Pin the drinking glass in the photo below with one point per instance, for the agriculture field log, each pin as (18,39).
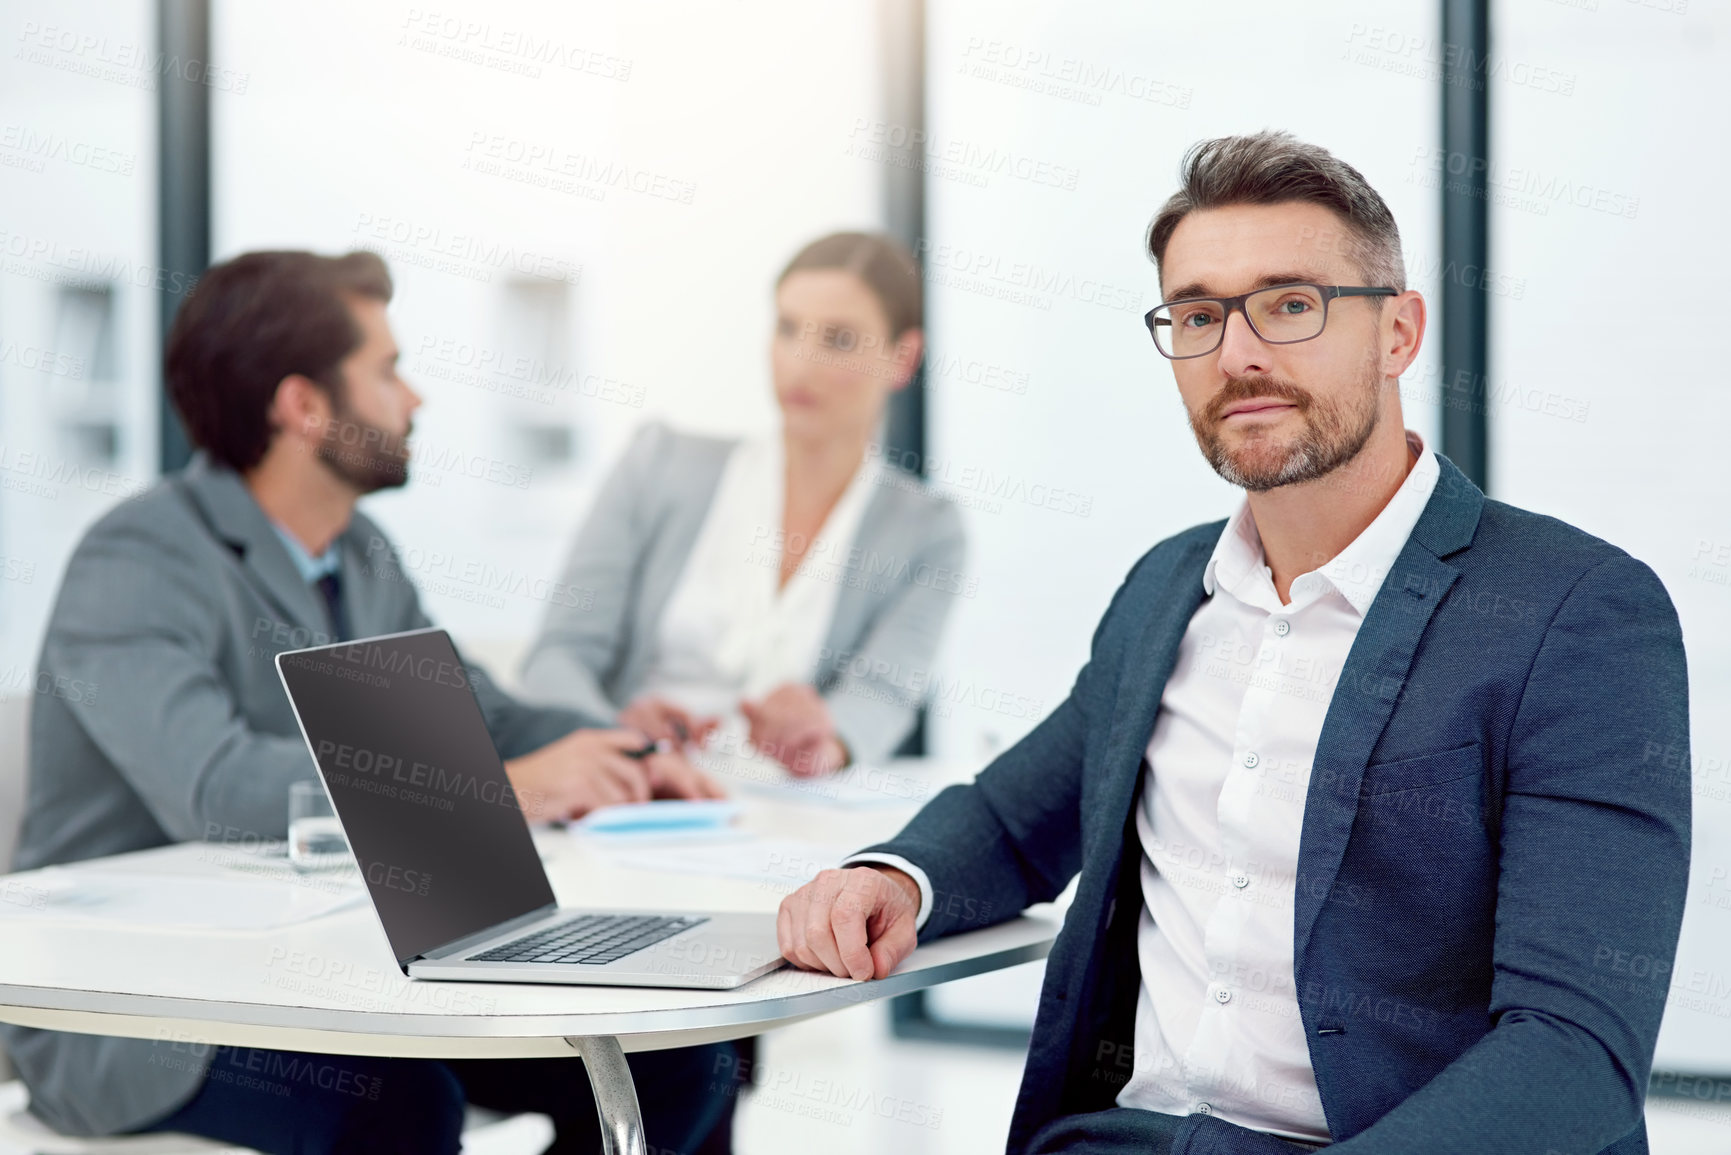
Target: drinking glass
(315,835)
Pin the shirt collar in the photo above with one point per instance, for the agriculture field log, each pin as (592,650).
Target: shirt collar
(310,568)
(1237,558)
(1238,565)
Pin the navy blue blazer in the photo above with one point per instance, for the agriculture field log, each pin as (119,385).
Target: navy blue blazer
(1492,866)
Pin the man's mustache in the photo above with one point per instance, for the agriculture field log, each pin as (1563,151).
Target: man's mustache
(1239,389)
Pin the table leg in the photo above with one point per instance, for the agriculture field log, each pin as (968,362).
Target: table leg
(615,1094)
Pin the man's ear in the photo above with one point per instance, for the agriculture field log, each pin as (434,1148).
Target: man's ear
(300,407)
(1403,332)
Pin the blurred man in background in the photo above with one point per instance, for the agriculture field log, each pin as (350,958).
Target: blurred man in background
(284,371)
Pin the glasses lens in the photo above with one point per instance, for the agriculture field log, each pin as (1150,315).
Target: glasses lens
(1187,328)
(1286,312)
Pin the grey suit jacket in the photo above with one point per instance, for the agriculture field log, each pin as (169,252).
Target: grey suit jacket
(167,723)
(874,670)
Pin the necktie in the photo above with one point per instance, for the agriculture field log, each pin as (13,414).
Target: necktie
(331,587)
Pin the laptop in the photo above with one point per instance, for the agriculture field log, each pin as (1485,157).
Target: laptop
(399,740)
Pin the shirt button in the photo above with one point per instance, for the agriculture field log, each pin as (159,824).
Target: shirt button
(1222,996)
(1250,760)
(1241,880)
(1282,627)
(1204,1108)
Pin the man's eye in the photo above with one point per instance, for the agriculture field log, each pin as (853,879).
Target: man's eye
(1295,306)
(1196,319)
(785,327)
(840,338)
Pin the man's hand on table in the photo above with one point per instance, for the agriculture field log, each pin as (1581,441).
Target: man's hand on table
(589,769)
(855,923)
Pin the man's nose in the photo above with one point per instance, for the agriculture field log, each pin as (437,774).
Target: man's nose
(1242,352)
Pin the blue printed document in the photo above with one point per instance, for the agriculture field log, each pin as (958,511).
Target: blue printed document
(663,816)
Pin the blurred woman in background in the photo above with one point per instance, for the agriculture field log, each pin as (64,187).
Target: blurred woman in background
(789,589)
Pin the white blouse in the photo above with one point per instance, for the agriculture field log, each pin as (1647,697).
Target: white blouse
(728,632)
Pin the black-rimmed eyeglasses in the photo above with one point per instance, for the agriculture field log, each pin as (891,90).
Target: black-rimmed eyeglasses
(1279,314)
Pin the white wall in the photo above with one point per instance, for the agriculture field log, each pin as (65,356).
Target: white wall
(77,208)
(1609,205)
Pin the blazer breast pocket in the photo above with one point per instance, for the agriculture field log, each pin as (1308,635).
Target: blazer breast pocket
(1424,770)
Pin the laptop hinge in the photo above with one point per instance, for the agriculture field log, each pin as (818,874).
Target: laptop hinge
(470,941)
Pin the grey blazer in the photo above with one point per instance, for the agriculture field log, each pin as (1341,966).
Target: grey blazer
(166,723)
(875,664)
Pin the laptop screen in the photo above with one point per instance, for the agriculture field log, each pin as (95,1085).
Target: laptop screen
(404,752)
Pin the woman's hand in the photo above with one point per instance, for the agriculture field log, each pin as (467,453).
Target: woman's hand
(662,721)
(792,725)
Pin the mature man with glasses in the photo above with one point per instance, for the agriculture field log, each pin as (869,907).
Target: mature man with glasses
(1357,782)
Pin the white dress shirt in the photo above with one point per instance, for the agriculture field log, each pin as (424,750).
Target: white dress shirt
(1217,1019)
(730,630)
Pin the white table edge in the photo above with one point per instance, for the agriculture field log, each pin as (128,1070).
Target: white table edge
(344,1031)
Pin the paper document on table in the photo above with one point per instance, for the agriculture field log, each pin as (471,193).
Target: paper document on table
(172,900)
(785,862)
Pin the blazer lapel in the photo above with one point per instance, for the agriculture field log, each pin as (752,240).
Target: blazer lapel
(1371,685)
(855,601)
(238,521)
(1147,665)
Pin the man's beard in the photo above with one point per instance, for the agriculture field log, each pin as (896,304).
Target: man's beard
(1334,432)
(362,454)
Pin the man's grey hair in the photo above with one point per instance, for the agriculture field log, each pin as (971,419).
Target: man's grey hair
(1270,168)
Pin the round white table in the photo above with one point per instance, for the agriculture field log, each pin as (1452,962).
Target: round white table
(331,985)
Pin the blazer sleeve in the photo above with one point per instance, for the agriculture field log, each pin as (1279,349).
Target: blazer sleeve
(880,685)
(134,620)
(521,727)
(582,640)
(1594,867)
(1013,837)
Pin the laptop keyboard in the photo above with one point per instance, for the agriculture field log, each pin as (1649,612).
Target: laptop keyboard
(590,939)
